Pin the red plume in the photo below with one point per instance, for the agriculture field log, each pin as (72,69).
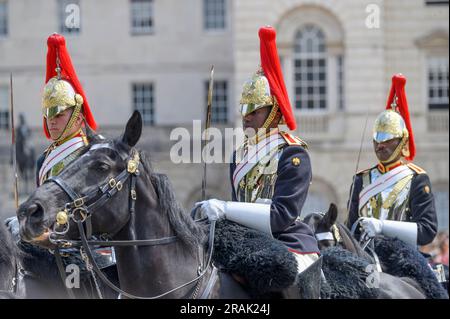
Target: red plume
(398,89)
(270,63)
(57,48)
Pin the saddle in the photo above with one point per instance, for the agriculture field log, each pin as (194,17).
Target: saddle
(403,260)
(262,264)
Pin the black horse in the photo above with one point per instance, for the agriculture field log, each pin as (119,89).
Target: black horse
(412,279)
(160,250)
(10,260)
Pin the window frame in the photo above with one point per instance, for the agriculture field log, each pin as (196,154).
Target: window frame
(148,116)
(216,99)
(142,30)
(4,111)
(4,20)
(433,103)
(316,61)
(206,18)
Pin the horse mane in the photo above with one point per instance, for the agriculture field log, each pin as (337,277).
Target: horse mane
(190,233)
(350,243)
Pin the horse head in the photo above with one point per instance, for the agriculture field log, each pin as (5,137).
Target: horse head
(324,226)
(110,191)
(98,180)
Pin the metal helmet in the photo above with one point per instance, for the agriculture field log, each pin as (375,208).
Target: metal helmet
(59,96)
(395,121)
(267,87)
(255,94)
(389,125)
(63,89)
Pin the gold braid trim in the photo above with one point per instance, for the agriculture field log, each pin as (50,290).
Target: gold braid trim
(274,113)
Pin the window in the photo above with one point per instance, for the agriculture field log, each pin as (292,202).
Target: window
(69,16)
(214,13)
(3,18)
(141,16)
(4,107)
(143,101)
(438,83)
(310,75)
(219,111)
(340,83)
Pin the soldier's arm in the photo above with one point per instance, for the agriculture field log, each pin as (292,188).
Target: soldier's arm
(291,187)
(423,210)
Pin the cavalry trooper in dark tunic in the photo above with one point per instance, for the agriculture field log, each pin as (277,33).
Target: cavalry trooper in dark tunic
(66,118)
(394,198)
(271,172)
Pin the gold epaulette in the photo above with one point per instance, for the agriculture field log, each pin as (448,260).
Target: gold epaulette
(416,168)
(364,170)
(293,140)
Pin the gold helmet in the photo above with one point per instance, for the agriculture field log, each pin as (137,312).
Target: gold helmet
(395,122)
(267,87)
(389,125)
(63,89)
(58,96)
(256,94)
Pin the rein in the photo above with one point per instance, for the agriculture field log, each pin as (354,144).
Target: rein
(80,211)
(367,243)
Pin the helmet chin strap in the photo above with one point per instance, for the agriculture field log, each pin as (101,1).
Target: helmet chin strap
(273,117)
(69,124)
(397,151)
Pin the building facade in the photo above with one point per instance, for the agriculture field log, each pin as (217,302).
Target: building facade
(338,58)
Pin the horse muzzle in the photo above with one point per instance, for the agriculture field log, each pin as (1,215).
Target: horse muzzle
(32,224)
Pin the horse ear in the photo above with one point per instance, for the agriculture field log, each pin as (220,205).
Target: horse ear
(331,215)
(133,129)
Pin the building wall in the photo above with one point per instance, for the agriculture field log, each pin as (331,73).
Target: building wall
(178,55)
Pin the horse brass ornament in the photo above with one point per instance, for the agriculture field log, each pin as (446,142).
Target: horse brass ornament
(62,218)
(133,164)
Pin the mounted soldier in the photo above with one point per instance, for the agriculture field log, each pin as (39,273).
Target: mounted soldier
(394,198)
(271,172)
(67,122)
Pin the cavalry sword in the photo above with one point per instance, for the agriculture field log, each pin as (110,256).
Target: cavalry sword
(207,125)
(13,143)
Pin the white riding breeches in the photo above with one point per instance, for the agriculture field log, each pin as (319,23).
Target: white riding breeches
(305,260)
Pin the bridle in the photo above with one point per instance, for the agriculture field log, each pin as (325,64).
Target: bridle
(367,243)
(80,210)
(332,235)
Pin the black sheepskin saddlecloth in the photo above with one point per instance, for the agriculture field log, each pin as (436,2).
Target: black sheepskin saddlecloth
(265,263)
(345,275)
(403,260)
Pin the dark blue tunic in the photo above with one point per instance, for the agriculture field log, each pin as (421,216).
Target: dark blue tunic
(420,209)
(291,189)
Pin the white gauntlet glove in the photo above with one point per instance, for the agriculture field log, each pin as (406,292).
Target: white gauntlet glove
(372,226)
(214,209)
(405,231)
(252,215)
